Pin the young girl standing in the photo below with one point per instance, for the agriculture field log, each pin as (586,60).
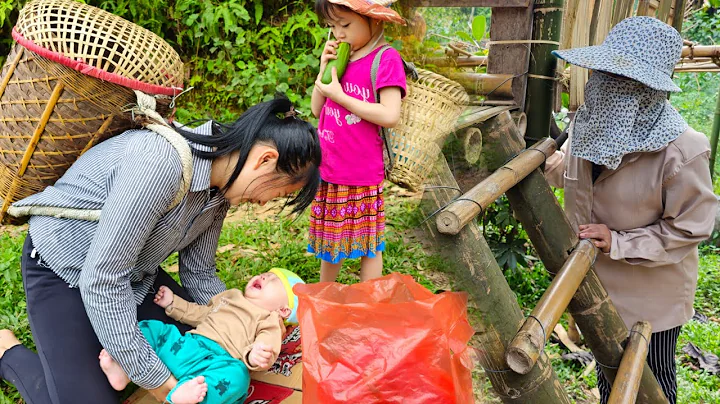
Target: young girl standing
(347,218)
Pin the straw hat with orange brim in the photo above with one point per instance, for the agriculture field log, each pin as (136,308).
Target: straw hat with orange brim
(376,9)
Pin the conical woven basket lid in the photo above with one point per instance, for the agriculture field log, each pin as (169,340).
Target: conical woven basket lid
(99,44)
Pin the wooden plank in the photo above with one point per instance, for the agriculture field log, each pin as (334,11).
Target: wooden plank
(511,24)
(470,3)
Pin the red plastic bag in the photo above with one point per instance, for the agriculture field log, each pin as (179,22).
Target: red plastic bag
(389,340)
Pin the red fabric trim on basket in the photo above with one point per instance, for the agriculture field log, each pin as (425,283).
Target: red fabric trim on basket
(84,68)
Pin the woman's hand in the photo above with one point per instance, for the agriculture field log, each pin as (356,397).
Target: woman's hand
(599,233)
(260,356)
(162,392)
(164,297)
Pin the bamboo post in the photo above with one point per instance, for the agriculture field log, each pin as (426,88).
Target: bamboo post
(538,210)
(580,38)
(570,16)
(627,383)
(664,10)
(679,15)
(540,96)
(525,348)
(714,135)
(601,22)
(708,51)
(472,144)
(495,313)
(498,85)
(520,119)
(475,114)
(459,61)
(509,53)
(643,7)
(464,209)
(623,9)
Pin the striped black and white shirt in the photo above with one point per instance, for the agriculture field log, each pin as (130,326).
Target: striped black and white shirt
(133,179)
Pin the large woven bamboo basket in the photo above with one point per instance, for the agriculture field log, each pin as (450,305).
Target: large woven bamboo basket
(429,112)
(65,86)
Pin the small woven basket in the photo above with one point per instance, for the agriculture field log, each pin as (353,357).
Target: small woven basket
(429,112)
(65,85)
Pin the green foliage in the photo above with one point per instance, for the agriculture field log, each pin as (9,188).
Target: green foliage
(237,52)
(702,27)
(445,22)
(505,236)
(698,386)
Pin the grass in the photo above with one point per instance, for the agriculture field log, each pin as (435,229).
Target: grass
(255,240)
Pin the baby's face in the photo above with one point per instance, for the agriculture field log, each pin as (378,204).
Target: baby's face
(267,291)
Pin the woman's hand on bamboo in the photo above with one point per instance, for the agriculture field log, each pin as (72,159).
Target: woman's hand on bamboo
(599,234)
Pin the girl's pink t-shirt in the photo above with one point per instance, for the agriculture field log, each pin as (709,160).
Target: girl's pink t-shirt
(352,149)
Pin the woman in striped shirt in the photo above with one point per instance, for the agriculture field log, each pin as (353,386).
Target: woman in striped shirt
(88,283)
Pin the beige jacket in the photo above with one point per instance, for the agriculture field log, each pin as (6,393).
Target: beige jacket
(659,206)
(233,322)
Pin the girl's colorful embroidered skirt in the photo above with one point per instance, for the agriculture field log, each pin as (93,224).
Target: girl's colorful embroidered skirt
(347,222)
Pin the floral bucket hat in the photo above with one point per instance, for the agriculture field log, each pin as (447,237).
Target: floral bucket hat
(377,9)
(641,48)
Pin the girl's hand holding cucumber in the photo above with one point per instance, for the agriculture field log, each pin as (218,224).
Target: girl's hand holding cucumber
(333,62)
(328,54)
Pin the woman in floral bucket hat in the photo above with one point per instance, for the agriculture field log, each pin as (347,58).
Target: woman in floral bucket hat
(637,183)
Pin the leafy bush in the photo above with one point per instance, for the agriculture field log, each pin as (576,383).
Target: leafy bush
(237,52)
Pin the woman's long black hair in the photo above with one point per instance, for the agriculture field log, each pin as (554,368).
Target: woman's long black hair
(296,141)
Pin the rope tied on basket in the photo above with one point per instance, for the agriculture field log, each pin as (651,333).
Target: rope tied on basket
(144,113)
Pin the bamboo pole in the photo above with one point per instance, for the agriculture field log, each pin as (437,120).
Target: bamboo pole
(460,61)
(664,10)
(456,216)
(495,313)
(708,51)
(699,68)
(580,38)
(643,8)
(520,119)
(472,144)
(601,22)
(476,114)
(653,8)
(569,18)
(626,386)
(540,95)
(678,15)
(499,85)
(552,236)
(714,135)
(534,204)
(622,10)
(525,348)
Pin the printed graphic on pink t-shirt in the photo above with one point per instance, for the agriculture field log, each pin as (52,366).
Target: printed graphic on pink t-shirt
(351,146)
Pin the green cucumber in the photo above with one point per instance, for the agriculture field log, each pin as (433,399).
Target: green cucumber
(343,56)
